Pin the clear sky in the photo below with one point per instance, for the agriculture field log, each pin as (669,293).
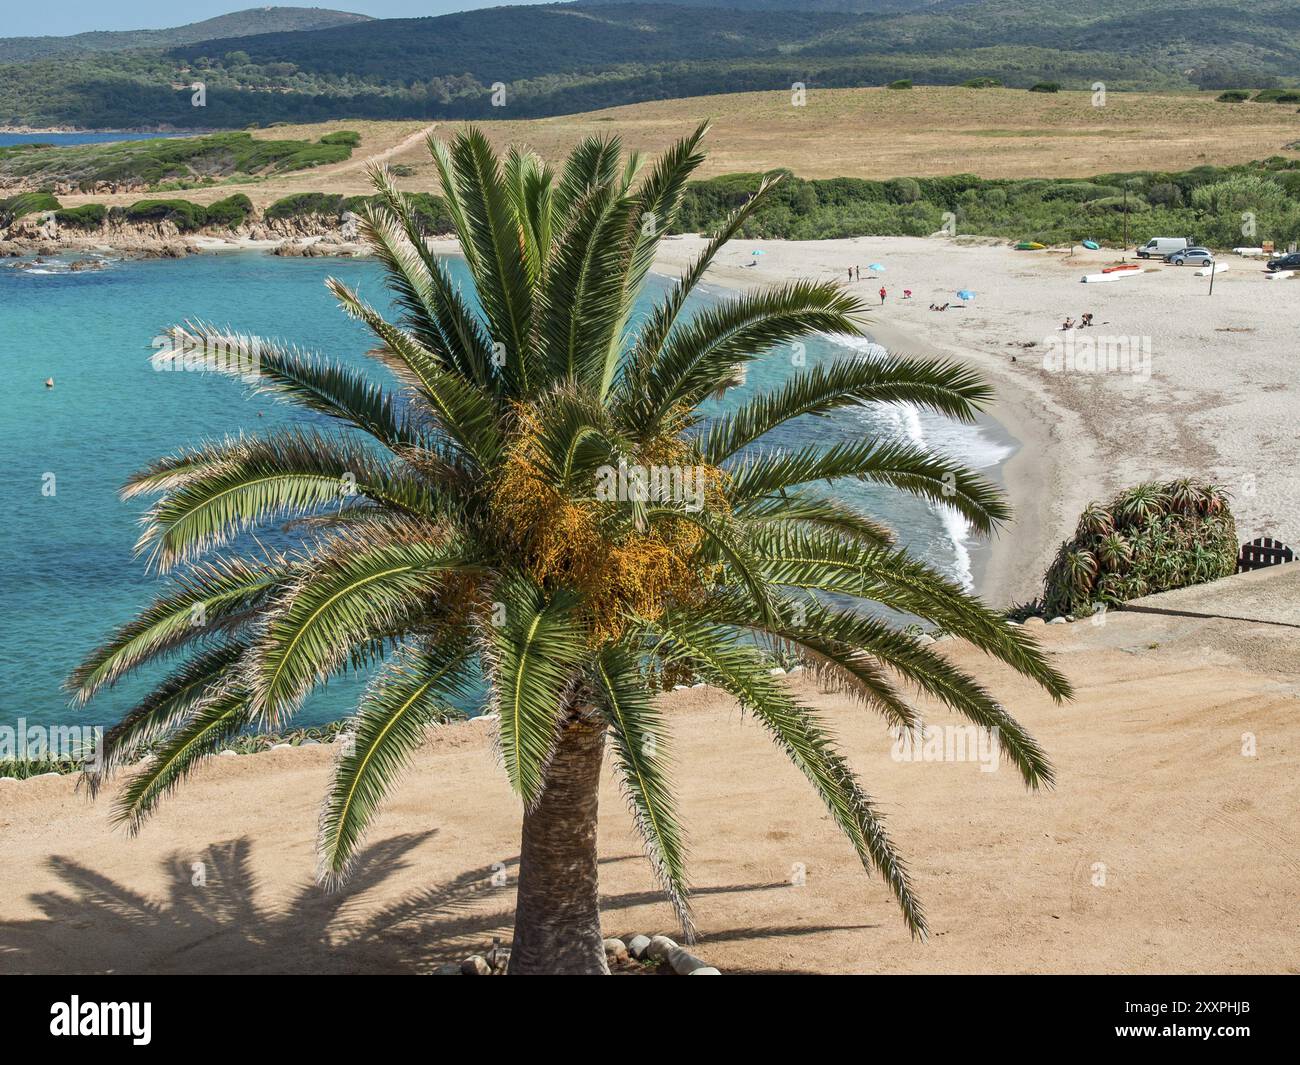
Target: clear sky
(77,16)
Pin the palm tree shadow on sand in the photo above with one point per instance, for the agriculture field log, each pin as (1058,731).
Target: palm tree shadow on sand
(97,925)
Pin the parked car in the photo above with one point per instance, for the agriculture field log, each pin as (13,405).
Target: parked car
(1162,247)
(1192,256)
(1285,262)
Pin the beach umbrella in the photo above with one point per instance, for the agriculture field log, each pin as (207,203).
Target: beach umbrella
(965,294)
(878,267)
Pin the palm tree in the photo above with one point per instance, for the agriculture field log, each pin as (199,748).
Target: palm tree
(495,521)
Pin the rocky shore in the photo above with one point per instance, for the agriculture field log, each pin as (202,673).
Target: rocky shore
(42,235)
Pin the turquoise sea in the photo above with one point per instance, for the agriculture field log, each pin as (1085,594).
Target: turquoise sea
(91,137)
(65,549)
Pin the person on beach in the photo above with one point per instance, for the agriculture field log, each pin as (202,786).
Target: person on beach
(883,294)
(1067,324)
(857,273)
(907,293)
(1085,321)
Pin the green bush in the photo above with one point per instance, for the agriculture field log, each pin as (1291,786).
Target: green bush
(982,83)
(87,216)
(902,83)
(1233,96)
(306,204)
(344,136)
(25,203)
(231,212)
(1045,86)
(1152,538)
(184,215)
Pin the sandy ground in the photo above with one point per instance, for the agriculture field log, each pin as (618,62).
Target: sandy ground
(1162,849)
(1219,402)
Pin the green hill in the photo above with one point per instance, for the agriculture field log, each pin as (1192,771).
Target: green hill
(236,24)
(563,58)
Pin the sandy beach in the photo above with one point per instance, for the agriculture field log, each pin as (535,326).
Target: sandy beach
(1219,401)
(1163,848)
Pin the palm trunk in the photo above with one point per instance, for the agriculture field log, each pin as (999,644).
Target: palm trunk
(557,916)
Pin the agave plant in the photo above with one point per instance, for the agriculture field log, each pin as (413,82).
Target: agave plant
(484,530)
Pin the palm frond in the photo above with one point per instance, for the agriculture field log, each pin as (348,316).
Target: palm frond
(208,599)
(414,691)
(358,593)
(641,746)
(945,387)
(534,656)
(738,669)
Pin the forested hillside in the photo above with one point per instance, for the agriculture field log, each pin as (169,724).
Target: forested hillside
(563,58)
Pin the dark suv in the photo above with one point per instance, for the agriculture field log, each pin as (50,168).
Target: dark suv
(1286,262)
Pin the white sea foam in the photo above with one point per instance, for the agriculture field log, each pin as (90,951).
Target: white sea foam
(971,445)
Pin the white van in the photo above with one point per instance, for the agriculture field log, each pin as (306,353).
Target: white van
(1159,247)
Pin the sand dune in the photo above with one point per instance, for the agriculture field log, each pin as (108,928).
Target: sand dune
(1163,847)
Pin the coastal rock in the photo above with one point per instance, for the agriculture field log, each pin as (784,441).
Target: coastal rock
(86,264)
(636,946)
(475,965)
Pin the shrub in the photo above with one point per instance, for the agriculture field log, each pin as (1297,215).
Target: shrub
(231,212)
(1233,96)
(902,83)
(982,83)
(184,215)
(1150,539)
(305,204)
(25,203)
(87,216)
(344,136)
(1045,86)
(903,190)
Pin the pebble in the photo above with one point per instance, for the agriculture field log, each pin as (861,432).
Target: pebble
(777,672)
(616,949)
(924,639)
(1035,620)
(1057,621)
(636,946)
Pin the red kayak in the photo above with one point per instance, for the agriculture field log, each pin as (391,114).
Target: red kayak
(1114,269)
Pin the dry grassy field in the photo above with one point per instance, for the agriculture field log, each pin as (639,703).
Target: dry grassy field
(870,133)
